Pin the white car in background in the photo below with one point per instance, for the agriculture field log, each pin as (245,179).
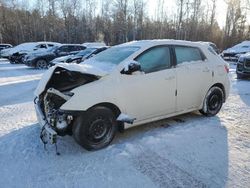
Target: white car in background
(28,47)
(128,85)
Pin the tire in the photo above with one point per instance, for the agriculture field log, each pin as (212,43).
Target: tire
(41,64)
(213,101)
(95,129)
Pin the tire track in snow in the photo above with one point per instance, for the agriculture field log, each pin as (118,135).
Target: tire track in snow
(19,79)
(163,172)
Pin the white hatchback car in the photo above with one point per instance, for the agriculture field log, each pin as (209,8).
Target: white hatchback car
(127,85)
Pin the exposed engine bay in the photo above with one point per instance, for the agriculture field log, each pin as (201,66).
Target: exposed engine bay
(56,93)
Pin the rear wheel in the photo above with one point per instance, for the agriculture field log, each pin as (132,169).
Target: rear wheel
(41,64)
(95,129)
(213,102)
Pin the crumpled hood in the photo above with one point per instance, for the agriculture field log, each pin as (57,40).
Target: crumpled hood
(82,68)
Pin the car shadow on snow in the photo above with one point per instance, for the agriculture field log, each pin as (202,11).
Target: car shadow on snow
(186,151)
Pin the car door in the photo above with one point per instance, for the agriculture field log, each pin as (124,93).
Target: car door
(150,93)
(194,76)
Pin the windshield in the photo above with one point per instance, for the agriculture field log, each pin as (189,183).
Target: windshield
(86,52)
(115,55)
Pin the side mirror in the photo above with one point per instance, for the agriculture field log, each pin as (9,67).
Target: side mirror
(131,67)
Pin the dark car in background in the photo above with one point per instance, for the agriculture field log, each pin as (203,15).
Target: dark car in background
(80,56)
(233,53)
(243,66)
(41,60)
(5,46)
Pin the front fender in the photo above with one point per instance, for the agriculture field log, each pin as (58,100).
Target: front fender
(87,96)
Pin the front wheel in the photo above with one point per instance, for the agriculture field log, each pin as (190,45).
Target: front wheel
(95,129)
(213,102)
(41,64)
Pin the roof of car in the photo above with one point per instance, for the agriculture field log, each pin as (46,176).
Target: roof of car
(97,47)
(71,45)
(5,44)
(143,43)
(94,44)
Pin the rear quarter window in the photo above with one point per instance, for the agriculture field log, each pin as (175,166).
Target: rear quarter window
(210,49)
(188,54)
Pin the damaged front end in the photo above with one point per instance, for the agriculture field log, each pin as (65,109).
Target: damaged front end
(53,91)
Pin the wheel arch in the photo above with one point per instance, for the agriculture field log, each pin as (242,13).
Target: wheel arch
(221,86)
(109,105)
(115,109)
(41,58)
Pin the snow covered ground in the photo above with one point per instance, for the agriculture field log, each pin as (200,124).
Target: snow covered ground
(185,151)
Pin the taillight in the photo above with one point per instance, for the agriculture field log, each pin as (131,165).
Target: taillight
(226,68)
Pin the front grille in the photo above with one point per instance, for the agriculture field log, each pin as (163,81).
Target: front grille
(239,66)
(229,54)
(247,63)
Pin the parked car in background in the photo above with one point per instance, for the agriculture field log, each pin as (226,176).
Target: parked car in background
(5,46)
(25,48)
(243,66)
(128,85)
(79,57)
(234,52)
(94,44)
(41,60)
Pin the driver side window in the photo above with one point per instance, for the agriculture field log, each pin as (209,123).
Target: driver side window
(155,59)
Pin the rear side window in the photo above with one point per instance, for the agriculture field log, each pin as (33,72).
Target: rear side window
(187,54)
(64,49)
(72,48)
(76,48)
(155,59)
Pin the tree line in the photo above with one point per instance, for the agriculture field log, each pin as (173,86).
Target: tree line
(118,21)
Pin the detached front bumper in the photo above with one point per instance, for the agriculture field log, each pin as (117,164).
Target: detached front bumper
(40,116)
(48,134)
